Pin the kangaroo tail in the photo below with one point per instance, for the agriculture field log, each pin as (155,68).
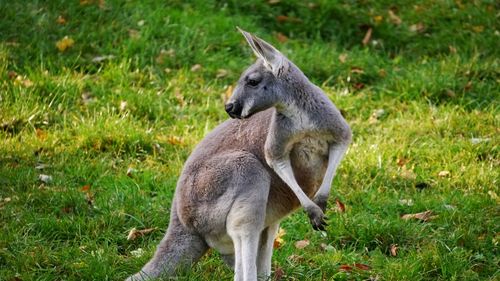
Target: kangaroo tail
(179,247)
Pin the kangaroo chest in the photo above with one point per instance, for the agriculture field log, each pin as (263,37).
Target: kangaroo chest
(309,159)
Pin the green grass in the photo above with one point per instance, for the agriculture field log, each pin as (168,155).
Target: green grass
(435,76)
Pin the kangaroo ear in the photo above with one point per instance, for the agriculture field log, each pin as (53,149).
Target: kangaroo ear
(273,59)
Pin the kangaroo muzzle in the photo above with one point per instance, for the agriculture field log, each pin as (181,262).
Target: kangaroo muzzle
(234,109)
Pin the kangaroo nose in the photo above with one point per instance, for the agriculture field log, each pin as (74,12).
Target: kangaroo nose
(234,109)
(229,107)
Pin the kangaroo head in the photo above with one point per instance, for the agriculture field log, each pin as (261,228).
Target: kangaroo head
(260,86)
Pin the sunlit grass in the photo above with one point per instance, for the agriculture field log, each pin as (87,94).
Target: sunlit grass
(121,109)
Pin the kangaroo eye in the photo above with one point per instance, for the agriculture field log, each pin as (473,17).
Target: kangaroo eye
(253,82)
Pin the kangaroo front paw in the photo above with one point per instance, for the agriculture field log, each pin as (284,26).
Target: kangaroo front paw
(317,217)
(321,201)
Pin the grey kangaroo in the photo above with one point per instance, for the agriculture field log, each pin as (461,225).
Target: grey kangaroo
(279,151)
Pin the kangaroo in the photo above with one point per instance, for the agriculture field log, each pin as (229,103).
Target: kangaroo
(279,151)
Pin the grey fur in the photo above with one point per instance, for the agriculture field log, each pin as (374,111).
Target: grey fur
(251,172)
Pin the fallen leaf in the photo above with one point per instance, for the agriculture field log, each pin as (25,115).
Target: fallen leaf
(326,247)
(281,37)
(221,73)
(479,140)
(281,18)
(61,20)
(134,233)
(137,253)
(468,86)
(7,199)
(357,70)
(23,81)
(452,49)
(12,75)
(45,178)
(345,267)
(273,2)
(278,273)
(444,174)
(302,244)
(423,216)
(367,37)
(102,58)
(141,23)
(343,57)
(407,173)
(362,266)
(85,188)
(278,240)
(295,258)
(130,172)
(87,98)
(378,19)
(401,161)
(40,134)
(340,205)
(175,140)
(134,33)
(419,27)
(376,115)
(406,202)
(382,73)
(394,18)
(65,43)
(478,28)
(394,250)
(123,105)
(196,67)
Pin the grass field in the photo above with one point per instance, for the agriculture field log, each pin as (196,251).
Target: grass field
(101,103)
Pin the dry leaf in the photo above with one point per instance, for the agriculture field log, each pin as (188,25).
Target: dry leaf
(281,18)
(61,20)
(345,267)
(452,49)
(23,81)
(368,37)
(423,216)
(407,173)
(65,43)
(362,266)
(85,188)
(45,178)
(478,28)
(406,202)
(301,244)
(401,161)
(343,57)
(273,2)
(340,205)
(137,253)
(394,250)
(196,67)
(376,116)
(278,240)
(419,27)
(130,172)
(357,70)
(134,34)
(281,37)
(295,258)
(123,105)
(221,73)
(326,248)
(378,19)
(41,134)
(134,233)
(444,174)
(278,273)
(382,73)
(175,140)
(394,18)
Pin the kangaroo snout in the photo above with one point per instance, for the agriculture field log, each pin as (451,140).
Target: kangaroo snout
(234,109)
